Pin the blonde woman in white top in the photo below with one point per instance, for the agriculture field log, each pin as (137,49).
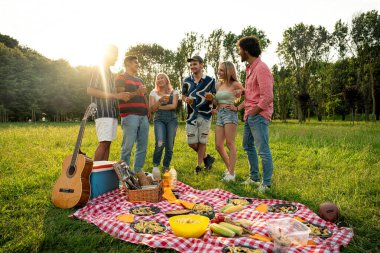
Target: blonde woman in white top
(163,100)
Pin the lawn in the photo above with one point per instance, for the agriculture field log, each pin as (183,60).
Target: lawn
(314,163)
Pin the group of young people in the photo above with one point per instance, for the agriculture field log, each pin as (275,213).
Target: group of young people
(204,97)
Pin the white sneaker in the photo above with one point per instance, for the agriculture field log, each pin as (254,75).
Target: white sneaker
(250,181)
(263,188)
(228,177)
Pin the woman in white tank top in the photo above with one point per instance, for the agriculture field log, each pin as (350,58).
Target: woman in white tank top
(163,102)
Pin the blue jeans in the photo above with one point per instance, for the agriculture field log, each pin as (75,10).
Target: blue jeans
(135,129)
(256,133)
(164,131)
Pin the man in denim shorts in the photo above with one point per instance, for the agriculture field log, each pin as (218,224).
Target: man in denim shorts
(197,91)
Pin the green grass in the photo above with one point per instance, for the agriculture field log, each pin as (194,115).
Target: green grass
(314,163)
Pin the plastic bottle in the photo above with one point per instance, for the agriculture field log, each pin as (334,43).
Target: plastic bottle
(173,177)
(166,181)
(156,174)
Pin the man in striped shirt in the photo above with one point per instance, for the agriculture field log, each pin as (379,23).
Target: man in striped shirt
(103,94)
(134,114)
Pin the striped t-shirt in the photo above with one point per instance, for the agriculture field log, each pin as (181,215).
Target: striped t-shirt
(137,104)
(103,80)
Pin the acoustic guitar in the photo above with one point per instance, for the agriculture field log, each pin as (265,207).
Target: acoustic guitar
(73,186)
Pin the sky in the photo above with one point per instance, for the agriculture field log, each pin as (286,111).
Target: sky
(78,30)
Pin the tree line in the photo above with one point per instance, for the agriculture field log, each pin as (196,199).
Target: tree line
(321,74)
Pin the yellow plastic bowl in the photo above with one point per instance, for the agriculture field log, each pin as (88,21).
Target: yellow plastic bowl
(189,226)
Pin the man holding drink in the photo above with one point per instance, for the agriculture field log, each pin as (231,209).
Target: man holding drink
(197,91)
(134,114)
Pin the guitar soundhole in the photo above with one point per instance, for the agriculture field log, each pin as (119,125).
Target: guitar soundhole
(66,190)
(71,170)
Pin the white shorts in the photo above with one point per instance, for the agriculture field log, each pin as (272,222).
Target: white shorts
(106,129)
(198,133)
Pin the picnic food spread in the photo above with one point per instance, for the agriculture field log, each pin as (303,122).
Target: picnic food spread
(282,208)
(148,227)
(237,224)
(144,210)
(189,226)
(318,230)
(240,201)
(203,209)
(240,249)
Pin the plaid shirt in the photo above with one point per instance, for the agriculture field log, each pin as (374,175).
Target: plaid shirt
(258,89)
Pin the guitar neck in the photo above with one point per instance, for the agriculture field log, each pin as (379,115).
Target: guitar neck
(78,143)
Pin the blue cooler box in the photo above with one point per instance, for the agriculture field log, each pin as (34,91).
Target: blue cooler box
(103,178)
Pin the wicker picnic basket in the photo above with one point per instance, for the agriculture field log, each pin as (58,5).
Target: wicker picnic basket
(140,188)
(147,194)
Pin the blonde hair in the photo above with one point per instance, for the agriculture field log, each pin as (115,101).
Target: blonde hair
(168,88)
(230,75)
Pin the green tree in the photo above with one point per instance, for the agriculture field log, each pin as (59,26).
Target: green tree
(340,39)
(365,35)
(343,75)
(283,92)
(214,49)
(229,45)
(8,41)
(301,48)
(190,45)
(153,59)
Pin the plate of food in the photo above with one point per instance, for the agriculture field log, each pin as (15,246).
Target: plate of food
(204,209)
(148,227)
(144,210)
(282,208)
(240,201)
(240,249)
(316,230)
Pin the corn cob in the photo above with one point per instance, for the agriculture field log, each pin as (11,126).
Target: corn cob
(236,229)
(233,209)
(221,230)
(225,207)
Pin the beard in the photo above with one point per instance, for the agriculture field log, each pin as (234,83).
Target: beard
(244,57)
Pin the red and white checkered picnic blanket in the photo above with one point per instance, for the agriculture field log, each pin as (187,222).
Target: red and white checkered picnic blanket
(103,210)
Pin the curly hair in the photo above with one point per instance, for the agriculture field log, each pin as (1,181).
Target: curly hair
(250,44)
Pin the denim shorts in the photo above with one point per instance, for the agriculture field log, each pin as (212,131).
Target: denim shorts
(226,116)
(199,132)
